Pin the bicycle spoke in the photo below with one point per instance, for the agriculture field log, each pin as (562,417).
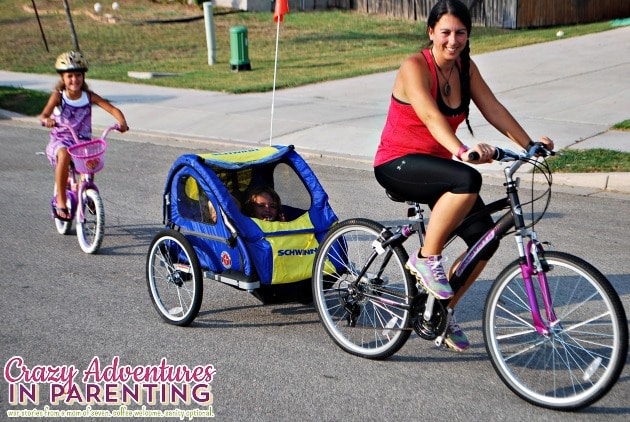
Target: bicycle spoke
(581,356)
(364,303)
(174,278)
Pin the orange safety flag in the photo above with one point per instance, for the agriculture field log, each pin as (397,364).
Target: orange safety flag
(282,7)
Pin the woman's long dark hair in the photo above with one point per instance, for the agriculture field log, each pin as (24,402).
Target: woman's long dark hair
(459,10)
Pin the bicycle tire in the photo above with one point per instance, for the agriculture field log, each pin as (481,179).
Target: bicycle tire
(91,230)
(362,325)
(581,359)
(174,278)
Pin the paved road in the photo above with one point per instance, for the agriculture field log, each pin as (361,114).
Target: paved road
(274,363)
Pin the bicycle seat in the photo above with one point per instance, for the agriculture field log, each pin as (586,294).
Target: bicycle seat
(394,197)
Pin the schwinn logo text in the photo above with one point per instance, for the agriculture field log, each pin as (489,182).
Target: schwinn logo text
(296,252)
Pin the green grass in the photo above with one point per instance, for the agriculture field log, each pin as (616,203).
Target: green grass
(23,101)
(590,161)
(625,125)
(313,46)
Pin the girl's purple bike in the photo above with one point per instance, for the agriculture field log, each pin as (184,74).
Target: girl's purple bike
(84,200)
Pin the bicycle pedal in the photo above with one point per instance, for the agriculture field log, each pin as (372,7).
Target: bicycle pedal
(439,341)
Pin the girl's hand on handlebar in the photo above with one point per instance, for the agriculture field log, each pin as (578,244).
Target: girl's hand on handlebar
(480,153)
(48,122)
(122,127)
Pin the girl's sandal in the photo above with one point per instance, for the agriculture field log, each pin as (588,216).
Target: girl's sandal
(61,213)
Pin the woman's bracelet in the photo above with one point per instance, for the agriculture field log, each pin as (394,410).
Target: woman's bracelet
(462,150)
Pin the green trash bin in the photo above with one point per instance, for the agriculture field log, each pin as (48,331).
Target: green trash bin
(239,57)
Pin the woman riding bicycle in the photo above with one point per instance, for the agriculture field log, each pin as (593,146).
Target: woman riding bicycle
(70,104)
(430,99)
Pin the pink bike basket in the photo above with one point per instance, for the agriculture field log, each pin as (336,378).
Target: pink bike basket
(88,157)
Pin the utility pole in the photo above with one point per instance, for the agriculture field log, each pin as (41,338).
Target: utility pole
(75,41)
(39,22)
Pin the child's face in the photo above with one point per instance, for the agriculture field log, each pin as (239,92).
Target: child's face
(265,208)
(73,80)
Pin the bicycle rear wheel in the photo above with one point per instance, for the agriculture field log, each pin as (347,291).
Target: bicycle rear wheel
(365,320)
(174,278)
(583,356)
(91,230)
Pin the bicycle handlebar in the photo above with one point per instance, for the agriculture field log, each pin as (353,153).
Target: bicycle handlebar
(115,126)
(501,154)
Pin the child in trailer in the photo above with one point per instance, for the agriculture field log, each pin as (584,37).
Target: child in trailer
(263,203)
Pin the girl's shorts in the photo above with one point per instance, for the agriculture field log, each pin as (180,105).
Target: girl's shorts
(53,147)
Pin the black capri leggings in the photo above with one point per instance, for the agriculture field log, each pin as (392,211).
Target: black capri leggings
(424,178)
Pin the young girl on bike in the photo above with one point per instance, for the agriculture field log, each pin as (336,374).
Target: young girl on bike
(70,104)
(431,96)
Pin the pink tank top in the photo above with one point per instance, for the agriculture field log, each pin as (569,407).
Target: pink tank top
(404,133)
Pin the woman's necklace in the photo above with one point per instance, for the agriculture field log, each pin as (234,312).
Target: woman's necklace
(447,85)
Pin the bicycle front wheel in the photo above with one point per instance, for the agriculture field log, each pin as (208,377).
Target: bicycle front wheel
(174,278)
(581,358)
(91,230)
(371,318)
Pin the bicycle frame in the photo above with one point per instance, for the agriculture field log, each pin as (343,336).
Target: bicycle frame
(529,256)
(531,262)
(84,195)
(86,181)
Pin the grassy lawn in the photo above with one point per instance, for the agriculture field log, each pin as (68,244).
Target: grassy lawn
(313,46)
(625,125)
(23,101)
(596,160)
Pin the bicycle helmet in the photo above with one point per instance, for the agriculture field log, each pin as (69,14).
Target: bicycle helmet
(71,61)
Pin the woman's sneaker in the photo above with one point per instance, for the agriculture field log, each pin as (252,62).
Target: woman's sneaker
(430,275)
(455,337)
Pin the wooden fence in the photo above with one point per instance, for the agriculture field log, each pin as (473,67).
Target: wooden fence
(504,13)
(535,13)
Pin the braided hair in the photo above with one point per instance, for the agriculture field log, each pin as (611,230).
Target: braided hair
(459,10)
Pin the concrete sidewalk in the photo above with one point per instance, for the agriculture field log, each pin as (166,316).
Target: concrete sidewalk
(571,89)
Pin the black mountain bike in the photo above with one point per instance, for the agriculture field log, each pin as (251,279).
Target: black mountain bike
(554,328)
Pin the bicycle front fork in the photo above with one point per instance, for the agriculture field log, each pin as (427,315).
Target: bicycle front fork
(86,182)
(534,263)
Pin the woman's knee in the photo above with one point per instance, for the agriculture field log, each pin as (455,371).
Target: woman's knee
(469,182)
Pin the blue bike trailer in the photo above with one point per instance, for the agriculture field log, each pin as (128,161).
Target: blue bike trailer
(202,198)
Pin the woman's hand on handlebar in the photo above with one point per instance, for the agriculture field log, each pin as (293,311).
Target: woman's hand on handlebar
(480,153)
(547,142)
(543,147)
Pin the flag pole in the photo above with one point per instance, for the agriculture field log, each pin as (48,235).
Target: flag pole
(280,8)
(275,72)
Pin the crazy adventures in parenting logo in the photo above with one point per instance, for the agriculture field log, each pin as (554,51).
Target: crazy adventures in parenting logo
(110,383)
